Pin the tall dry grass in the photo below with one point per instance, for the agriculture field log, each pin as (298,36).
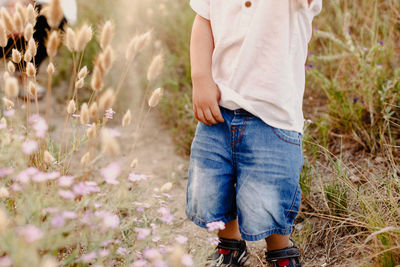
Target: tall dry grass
(65,196)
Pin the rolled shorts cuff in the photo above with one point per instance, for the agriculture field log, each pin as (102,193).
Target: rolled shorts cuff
(263,235)
(203,224)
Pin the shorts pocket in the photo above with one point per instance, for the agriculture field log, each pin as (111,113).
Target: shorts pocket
(291,137)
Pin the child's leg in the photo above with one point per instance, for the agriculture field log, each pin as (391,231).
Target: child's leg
(231,231)
(277,241)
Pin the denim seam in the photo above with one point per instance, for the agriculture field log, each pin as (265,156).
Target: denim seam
(293,201)
(194,217)
(284,139)
(284,231)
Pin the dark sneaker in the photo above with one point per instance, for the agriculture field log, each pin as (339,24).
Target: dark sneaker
(287,257)
(229,253)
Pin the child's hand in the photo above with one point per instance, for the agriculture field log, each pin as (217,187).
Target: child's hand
(206,96)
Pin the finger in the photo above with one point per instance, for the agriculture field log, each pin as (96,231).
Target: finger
(195,112)
(200,116)
(216,111)
(209,116)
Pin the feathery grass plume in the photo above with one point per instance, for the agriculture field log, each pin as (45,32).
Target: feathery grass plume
(8,103)
(12,87)
(32,47)
(83,73)
(16,56)
(11,67)
(155,67)
(134,163)
(50,68)
(3,35)
(107,99)
(8,22)
(80,83)
(107,34)
(49,262)
(28,32)
(71,108)
(53,43)
(83,37)
(31,14)
(3,221)
(176,255)
(97,79)
(32,88)
(107,59)
(27,56)
(166,187)
(3,121)
(85,160)
(70,39)
(126,120)
(136,44)
(54,14)
(156,97)
(30,70)
(109,143)
(22,12)
(47,157)
(94,110)
(84,114)
(91,132)
(18,23)
(6,75)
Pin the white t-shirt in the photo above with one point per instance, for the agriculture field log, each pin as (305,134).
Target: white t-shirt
(259,56)
(69,7)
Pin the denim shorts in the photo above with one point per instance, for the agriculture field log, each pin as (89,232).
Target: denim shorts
(244,168)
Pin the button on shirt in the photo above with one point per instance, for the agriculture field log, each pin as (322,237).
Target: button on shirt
(259,55)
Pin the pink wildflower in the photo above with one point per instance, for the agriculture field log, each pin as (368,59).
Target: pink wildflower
(85,188)
(30,233)
(122,251)
(187,260)
(66,181)
(181,239)
(67,194)
(69,214)
(5,261)
(133,177)
(142,232)
(214,226)
(9,112)
(140,263)
(151,253)
(104,252)
(89,257)
(166,216)
(58,221)
(39,125)
(6,171)
(29,146)
(109,113)
(213,241)
(16,187)
(109,220)
(159,263)
(156,239)
(111,173)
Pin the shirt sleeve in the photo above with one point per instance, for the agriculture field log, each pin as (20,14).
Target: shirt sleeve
(201,7)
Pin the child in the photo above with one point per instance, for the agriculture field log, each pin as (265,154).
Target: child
(247,59)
